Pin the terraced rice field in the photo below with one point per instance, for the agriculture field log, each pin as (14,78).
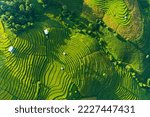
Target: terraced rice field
(83,56)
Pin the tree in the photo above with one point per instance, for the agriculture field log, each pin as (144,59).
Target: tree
(16,14)
(21,7)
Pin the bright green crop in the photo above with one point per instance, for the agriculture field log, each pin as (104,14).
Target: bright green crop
(74,49)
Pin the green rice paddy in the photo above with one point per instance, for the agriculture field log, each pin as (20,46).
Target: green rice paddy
(75,49)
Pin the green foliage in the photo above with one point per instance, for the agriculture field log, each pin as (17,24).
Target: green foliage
(21,7)
(79,59)
(17,14)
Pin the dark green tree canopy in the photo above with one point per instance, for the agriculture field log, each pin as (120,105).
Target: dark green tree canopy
(17,14)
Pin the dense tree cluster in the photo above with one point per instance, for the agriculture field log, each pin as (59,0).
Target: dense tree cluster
(17,14)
